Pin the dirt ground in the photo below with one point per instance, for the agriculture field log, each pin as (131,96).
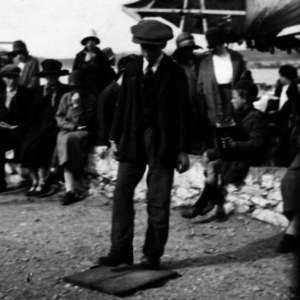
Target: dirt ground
(41,242)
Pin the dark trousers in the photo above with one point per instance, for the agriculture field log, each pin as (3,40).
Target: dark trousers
(8,140)
(159,183)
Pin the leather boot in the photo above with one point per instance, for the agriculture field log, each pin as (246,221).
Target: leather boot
(209,192)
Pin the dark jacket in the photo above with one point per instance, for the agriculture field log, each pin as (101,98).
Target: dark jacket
(27,79)
(42,118)
(20,107)
(173,112)
(249,147)
(208,87)
(98,72)
(287,117)
(106,107)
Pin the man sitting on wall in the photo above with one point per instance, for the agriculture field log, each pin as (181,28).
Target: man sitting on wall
(235,155)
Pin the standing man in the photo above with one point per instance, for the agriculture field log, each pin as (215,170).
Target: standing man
(151,127)
(28,65)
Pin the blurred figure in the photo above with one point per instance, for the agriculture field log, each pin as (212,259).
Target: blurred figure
(94,64)
(284,111)
(106,106)
(40,141)
(111,56)
(219,71)
(185,57)
(243,149)
(15,108)
(75,119)
(28,65)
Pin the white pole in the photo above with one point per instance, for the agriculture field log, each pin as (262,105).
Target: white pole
(182,22)
(204,21)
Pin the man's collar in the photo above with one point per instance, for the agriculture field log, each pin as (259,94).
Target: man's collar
(154,65)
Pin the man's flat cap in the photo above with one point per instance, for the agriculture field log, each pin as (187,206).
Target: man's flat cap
(10,70)
(151,32)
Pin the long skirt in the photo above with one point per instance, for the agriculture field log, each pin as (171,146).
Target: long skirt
(39,152)
(290,188)
(72,149)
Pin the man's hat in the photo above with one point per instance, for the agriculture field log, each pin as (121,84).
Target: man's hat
(214,36)
(184,41)
(90,35)
(248,86)
(19,47)
(151,32)
(109,53)
(10,70)
(51,67)
(288,72)
(77,79)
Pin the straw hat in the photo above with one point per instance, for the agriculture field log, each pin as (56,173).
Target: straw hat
(91,34)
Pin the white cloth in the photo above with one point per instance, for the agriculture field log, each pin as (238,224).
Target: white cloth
(283,96)
(223,69)
(154,65)
(10,93)
(21,65)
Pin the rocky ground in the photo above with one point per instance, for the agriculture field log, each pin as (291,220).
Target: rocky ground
(41,241)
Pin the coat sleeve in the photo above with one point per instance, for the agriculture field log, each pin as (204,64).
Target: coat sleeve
(76,63)
(257,135)
(117,125)
(62,122)
(34,80)
(184,112)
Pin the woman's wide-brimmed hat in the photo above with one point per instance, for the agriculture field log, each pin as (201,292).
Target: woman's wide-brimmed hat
(51,67)
(19,47)
(77,79)
(184,41)
(90,35)
(10,70)
(214,36)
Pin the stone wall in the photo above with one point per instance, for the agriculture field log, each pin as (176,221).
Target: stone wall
(259,196)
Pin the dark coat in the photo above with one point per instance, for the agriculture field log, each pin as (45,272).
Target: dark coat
(208,87)
(173,115)
(98,72)
(72,144)
(20,107)
(290,112)
(106,107)
(42,121)
(249,149)
(27,79)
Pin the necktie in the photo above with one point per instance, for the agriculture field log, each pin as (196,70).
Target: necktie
(148,73)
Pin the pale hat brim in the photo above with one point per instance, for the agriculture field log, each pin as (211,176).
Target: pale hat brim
(83,41)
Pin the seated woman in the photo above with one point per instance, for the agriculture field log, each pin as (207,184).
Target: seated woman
(75,117)
(283,112)
(244,148)
(37,150)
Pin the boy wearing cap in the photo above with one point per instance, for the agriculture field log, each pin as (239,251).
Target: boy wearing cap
(15,106)
(246,149)
(151,128)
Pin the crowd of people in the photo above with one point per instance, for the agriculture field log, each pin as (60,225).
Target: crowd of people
(152,110)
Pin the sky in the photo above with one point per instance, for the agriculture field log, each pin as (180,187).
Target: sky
(54,28)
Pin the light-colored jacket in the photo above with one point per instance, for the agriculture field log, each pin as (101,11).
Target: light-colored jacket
(27,79)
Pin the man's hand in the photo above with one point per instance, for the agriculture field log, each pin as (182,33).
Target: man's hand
(183,162)
(232,143)
(113,149)
(101,151)
(81,128)
(8,126)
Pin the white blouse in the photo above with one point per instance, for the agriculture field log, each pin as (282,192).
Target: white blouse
(223,69)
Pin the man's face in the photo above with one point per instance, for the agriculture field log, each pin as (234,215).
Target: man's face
(237,102)
(284,81)
(151,52)
(11,81)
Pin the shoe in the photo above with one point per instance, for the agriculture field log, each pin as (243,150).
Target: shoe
(150,263)
(288,244)
(69,198)
(191,213)
(45,188)
(31,191)
(114,259)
